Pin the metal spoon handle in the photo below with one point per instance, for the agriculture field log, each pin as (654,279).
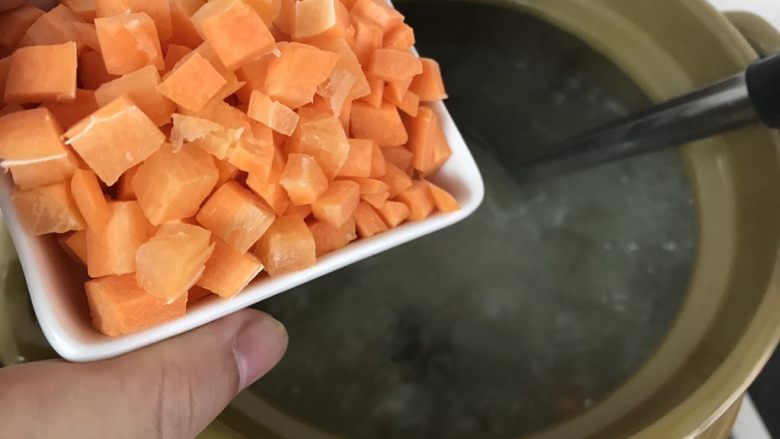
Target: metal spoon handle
(745,98)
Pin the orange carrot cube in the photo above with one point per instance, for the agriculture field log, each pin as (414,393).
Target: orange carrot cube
(418,199)
(14,24)
(173,54)
(346,113)
(196,293)
(396,90)
(429,85)
(68,114)
(119,306)
(379,12)
(86,9)
(5,63)
(129,42)
(42,172)
(48,209)
(225,171)
(42,73)
(367,221)
(303,179)
(396,180)
(236,216)
(184,32)
(158,11)
(30,135)
(320,135)
(112,249)
(115,138)
(394,65)
(53,27)
(347,62)
(293,77)
(303,211)
(235,31)
(204,134)
(172,185)
(410,104)
(269,189)
(328,238)
(170,263)
(371,186)
(376,200)
(394,213)
(442,199)
(359,159)
(368,38)
(255,152)
(287,246)
(87,35)
(253,75)
(274,115)
(75,245)
(141,87)
(313,17)
(400,156)
(377,87)
(267,10)
(337,203)
(92,70)
(425,136)
(192,83)
(228,272)
(124,187)
(89,198)
(378,163)
(400,37)
(383,124)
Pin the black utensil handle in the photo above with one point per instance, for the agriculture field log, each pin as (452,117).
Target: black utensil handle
(763,83)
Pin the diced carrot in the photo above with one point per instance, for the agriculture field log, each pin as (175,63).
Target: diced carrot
(88,35)
(285,21)
(428,85)
(119,306)
(396,90)
(336,89)
(394,65)
(368,38)
(378,11)
(14,24)
(442,199)
(192,83)
(376,200)
(236,216)
(183,29)
(410,104)
(293,77)
(328,238)
(270,190)
(75,245)
(347,62)
(337,204)
(367,221)
(303,179)
(255,152)
(225,172)
(267,10)
(400,37)
(227,271)
(377,87)
(92,70)
(397,180)
(302,211)
(173,54)
(124,187)
(378,163)
(348,3)
(129,42)
(394,213)
(287,246)
(313,17)
(42,74)
(115,138)
(112,250)
(53,27)
(223,114)
(43,172)
(48,209)
(400,156)
(371,186)
(5,63)
(383,124)
(320,135)
(172,185)
(253,74)
(196,293)
(274,115)
(86,9)
(141,87)
(89,198)
(346,113)
(204,134)
(426,136)
(358,163)
(418,199)
(235,31)
(158,11)
(171,262)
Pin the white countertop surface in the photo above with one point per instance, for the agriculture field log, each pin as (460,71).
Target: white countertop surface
(769,9)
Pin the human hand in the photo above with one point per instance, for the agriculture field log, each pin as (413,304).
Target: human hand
(173,389)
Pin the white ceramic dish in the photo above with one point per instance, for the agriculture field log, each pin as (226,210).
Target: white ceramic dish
(56,284)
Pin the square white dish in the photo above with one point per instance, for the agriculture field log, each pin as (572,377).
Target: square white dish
(56,284)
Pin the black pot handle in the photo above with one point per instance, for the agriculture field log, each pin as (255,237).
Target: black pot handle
(763,83)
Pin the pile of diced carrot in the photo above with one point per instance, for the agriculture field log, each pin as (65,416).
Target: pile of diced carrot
(177,148)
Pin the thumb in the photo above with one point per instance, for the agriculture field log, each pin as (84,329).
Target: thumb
(171,390)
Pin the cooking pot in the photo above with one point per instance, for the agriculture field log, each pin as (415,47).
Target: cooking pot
(633,299)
